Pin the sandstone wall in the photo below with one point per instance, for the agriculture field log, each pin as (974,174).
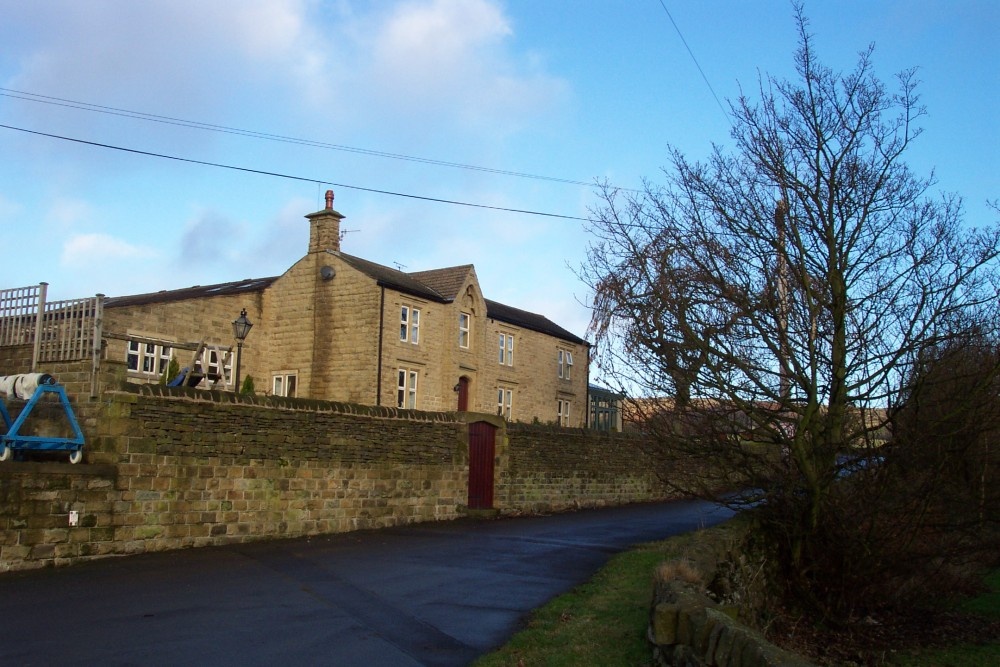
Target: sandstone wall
(546,468)
(169,468)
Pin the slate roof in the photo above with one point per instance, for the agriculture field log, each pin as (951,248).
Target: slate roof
(248,285)
(533,321)
(446,282)
(397,280)
(439,285)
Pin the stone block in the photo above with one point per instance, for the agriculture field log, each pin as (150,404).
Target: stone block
(666,617)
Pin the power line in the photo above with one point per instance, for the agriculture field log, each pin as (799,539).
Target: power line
(291,177)
(168,120)
(690,53)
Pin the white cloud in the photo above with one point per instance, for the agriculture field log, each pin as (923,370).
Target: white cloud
(451,59)
(443,35)
(409,69)
(89,250)
(168,57)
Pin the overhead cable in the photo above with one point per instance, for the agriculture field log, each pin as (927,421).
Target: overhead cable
(690,53)
(291,177)
(168,120)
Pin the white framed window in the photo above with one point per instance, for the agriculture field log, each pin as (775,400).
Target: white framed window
(565,358)
(406,389)
(464,330)
(217,364)
(506,349)
(148,359)
(562,412)
(505,401)
(163,357)
(409,324)
(284,384)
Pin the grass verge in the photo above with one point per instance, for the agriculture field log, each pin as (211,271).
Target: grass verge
(602,622)
(965,655)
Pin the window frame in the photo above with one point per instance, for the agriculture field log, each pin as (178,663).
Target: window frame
(506,357)
(141,354)
(505,402)
(464,330)
(563,411)
(289,381)
(217,362)
(406,388)
(565,364)
(409,324)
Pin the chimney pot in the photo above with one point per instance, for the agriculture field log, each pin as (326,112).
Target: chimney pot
(329,200)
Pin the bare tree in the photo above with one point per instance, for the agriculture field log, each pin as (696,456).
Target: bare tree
(764,307)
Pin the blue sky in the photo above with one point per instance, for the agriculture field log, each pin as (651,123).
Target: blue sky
(566,90)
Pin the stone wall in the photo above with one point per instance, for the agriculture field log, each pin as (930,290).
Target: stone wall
(15,359)
(35,504)
(700,601)
(547,468)
(172,467)
(182,468)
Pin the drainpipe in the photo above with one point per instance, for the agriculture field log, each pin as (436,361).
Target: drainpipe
(381,331)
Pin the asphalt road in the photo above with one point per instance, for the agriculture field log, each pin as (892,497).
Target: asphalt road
(429,594)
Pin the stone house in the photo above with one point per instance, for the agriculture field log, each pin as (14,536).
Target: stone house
(340,328)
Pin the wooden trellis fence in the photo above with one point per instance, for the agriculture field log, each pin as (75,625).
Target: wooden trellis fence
(68,330)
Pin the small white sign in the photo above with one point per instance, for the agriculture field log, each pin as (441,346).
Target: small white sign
(74,517)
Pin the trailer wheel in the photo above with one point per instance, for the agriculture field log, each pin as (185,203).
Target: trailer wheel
(76,456)
(4,453)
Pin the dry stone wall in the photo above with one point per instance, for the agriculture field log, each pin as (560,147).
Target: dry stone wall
(691,626)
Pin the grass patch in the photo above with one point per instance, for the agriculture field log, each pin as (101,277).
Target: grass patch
(966,655)
(987,604)
(602,622)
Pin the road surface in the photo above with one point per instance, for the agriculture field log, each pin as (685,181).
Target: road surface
(435,594)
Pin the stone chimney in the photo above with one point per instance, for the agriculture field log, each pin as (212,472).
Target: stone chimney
(324,227)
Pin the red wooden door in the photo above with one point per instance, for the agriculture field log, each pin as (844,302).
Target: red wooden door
(482,450)
(463,394)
